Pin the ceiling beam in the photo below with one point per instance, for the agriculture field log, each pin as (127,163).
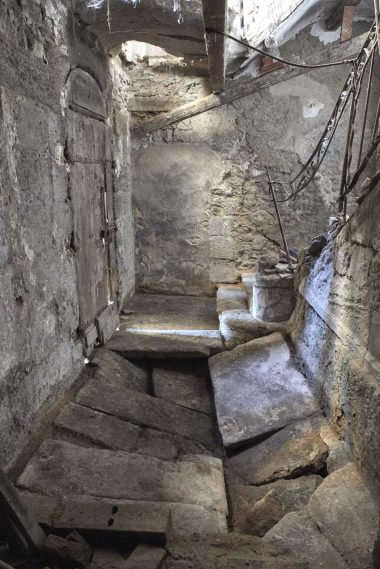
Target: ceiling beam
(214,17)
(236,89)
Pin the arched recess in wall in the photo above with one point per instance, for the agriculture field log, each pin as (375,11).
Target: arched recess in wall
(88,154)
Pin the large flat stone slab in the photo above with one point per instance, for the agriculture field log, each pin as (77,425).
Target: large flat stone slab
(170,312)
(231,297)
(163,344)
(148,411)
(346,514)
(66,470)
(157,326)
(295,450)
(300,534)
(110,365)
(191,391)
(258,390)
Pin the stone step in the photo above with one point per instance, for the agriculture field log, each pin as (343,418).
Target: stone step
(146,557)
(229,551)
(295,450)
(148,411)
(68,471)
(258,390)
(111,365)
(164,344)
(231,297)
(187,390)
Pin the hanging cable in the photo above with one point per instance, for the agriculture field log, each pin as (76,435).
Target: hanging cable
(284,61)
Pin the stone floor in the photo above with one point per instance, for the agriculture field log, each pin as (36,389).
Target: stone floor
(142,455)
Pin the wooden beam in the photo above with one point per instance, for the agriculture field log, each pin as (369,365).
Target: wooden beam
(347,23)
(13,508)
(214,17)
(236,89)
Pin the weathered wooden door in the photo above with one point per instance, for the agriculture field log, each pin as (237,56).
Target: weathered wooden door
(88,154)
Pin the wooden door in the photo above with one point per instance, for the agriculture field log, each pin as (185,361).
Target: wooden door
(88,154)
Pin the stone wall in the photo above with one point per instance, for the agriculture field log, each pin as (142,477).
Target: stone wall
(232,221)
(40,350)
(338,345)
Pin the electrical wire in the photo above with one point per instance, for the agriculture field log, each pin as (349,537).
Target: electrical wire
(284,61)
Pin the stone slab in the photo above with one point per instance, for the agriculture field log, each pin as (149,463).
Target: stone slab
(171,312)
(191,391)
(146,557)
(292,495)
(99,428)
(295,450)
(148,411)
(258,390)
(231,297)
(345,512)
(61,469)
(188,519)
(129,518)
(162,344)
(300,534)
(107,558)
(111,365)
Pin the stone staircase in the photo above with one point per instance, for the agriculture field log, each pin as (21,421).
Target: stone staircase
(186,471)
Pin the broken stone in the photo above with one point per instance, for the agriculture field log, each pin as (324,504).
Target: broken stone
(187,520)
(339,452)
(345,512)
(298,449)
(62,469)
(190,391)
(146,557)
(72,552)
(148,411)
(292,495)
(300,534)
(107,558)
(258,390)
(231,297)
(111,365)
(264,514)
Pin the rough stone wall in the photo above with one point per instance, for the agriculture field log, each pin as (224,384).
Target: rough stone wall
(338,345)
(40,351)
(227,191)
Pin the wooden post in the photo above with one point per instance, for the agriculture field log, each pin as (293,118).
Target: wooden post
(12,508)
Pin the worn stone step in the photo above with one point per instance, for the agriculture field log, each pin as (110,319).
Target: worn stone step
(229,551)
(258,390)
(187,390)
(300,534)
(163,344)
(145,520)
(251,512)
(231,297)
(148,411)
(346,514)
(62,469)
(295,450)
(110,365)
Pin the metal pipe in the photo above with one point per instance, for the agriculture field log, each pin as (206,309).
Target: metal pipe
(279,221)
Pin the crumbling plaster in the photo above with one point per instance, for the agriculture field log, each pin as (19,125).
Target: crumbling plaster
(275,128)
(40,350)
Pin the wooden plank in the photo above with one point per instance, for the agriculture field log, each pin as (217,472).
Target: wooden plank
(12,507)
(214,17)
(244,87)
(347,23)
